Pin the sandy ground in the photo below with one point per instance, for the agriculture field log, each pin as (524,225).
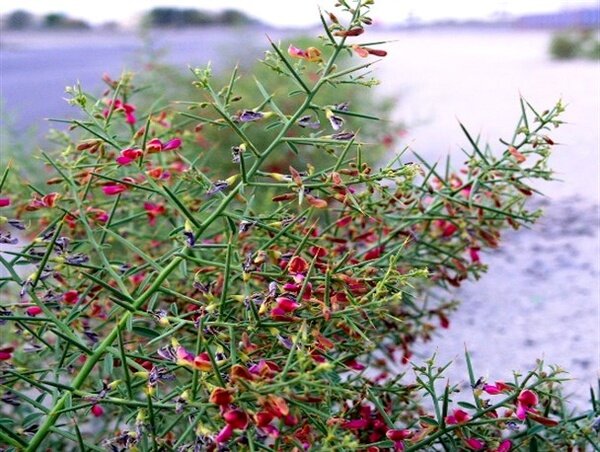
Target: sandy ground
(539,299)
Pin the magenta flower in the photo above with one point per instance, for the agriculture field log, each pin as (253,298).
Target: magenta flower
(498,388)
(127,109)
(155,145)
(505,446)
(4,202)
(526,402)
(128,155)
(33,311)
(113,189)
(355,424)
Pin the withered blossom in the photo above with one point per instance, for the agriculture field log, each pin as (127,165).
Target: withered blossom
(10,399)
(77,259)
(336,122)
(307,122)
(17,224)
(159,374)
(236,152)
(245,226)
(217,187)
(343,136)
(249,116)
(6,238)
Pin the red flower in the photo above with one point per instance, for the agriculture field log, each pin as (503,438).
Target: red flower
(263,418)
(352,32)
(153,210)
(457,417)
(71,297)
(158,173)
(6,353)
(4,202)
(297,265)
(355,424)
(344,221)
(221,396)
(97,410)
(374,253)
(37,202)
(202,362)
(474,254)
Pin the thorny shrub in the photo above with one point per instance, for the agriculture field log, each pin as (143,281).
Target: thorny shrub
(152,303)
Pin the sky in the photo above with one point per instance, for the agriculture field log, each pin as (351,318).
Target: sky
(294,12)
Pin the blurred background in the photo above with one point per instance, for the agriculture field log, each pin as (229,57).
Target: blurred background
(464,60)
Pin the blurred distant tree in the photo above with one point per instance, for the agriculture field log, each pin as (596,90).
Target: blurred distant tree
(172,17)
(176,17)
(54,20)
(234,17)
(19,20)
(62,21)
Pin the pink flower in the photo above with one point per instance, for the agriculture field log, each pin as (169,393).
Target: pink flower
(505,446)
(225,434)
(127,109)
(287,304)
(311,54)
(4,202)
(526,402)
(458,416)
(113,189)
(364,52)
(398,436)
(474,443)
(128,155)
(33,311)
(497,388)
